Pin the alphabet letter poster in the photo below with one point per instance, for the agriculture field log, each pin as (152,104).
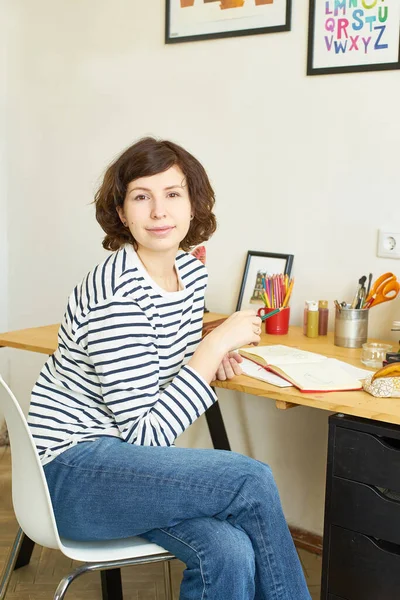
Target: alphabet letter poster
(353,35)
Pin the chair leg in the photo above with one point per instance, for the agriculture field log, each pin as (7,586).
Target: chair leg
(67,580)
(85,568)
(111,584)
(11,562)
(113,587)
(168,580)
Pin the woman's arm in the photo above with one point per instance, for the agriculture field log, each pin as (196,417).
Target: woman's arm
(127,366)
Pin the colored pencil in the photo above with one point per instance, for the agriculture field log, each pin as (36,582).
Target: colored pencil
(288,294)
(277,290)
(271,314)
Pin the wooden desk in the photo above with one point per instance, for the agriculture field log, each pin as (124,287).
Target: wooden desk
(35,339)
(360,404)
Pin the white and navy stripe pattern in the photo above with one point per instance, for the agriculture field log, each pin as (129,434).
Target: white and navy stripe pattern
(120,366)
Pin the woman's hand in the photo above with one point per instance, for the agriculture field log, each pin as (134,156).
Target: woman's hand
(229,367)
(240,329)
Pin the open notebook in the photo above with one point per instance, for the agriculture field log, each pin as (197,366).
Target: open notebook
(307,371)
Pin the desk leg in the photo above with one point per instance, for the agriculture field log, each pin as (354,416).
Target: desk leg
(111,584)
(216,427)
(25,552)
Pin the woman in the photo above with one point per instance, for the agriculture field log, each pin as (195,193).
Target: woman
(130,374)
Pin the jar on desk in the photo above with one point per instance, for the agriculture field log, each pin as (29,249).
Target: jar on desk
(374,353)
(351,327)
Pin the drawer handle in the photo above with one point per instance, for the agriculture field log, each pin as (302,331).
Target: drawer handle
(385,546)
(389,443)
(387,494)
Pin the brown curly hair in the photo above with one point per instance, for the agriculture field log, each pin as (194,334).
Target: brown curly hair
(145,158)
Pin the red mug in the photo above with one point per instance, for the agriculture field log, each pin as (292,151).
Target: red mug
(279,323)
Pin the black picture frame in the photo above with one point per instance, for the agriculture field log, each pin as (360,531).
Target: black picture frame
(175,38)
(276,263)
(344,44)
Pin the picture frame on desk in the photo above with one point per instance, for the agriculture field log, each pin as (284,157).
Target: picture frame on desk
(195,20)
(257,264)
(350,37)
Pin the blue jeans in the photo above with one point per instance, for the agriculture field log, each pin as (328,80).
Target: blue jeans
(219,512)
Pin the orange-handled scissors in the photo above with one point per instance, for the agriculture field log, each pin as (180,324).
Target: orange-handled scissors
(385,288)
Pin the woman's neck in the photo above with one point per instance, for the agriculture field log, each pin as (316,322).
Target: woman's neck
(161,268)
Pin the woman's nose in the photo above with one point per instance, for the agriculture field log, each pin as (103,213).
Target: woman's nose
(158,209)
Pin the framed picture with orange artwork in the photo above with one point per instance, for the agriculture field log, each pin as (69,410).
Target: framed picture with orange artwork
(192,20)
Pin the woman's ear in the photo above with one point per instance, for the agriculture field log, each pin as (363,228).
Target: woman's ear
(121,215)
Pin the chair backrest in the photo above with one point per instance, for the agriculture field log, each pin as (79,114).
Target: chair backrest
(31,498)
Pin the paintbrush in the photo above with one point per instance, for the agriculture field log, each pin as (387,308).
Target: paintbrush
(361,293)
(356,298)
(369,284)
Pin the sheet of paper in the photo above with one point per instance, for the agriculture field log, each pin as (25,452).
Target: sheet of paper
(253,370)
(356,372)
(321,376)
(284,355)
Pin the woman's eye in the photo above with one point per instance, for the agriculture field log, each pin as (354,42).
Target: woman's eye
(140,197)
(173,195)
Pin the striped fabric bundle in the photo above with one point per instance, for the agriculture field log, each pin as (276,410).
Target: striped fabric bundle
(120,366)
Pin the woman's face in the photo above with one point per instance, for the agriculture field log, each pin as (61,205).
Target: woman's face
(157,210)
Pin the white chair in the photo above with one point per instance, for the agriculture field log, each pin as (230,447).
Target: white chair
(34,513)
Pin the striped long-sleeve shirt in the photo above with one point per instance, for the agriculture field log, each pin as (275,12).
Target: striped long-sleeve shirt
(120,366)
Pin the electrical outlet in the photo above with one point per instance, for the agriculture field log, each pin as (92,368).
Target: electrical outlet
(388,244)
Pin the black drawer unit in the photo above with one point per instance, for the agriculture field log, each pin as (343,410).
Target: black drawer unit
(361,553)
(368,458)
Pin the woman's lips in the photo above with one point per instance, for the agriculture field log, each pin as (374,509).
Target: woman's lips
(160,231)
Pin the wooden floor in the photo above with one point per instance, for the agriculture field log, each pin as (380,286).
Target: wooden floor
(39,579)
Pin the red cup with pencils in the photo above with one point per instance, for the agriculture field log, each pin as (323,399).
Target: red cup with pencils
(278,323)
(277,290)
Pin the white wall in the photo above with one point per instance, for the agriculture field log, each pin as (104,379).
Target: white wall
(301,165)
(5,23)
